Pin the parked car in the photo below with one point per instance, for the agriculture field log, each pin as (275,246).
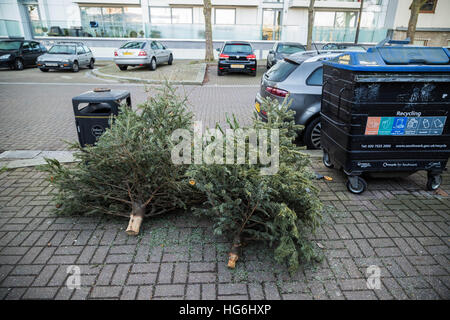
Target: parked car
(280,50)
(67,56)
(142,53)
(17,54)
(298,77)
(236,56)
(343,46)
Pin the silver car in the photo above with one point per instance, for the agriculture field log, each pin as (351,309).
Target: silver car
(142,53)
(281,50)
(66,56)
(299,78)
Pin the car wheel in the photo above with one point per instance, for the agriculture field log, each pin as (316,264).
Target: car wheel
(253,73)
(91,64)
(312,134)
(18,64)
(153,64)
(170,60)
(219,73)
(43,69)
(75,67)
(123,68)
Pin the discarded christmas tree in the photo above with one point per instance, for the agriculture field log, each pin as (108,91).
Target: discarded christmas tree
(279,205)
(130,167)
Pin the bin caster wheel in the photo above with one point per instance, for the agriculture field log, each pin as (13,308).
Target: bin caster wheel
(356,185)
(326,160)
(434,182)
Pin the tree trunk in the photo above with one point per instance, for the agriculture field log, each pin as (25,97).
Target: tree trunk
(209,54)
(235,252)
(415,8)
(359,21)
(136,217)
(310,24)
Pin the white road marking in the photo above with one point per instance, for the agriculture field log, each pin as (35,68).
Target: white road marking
(128,84)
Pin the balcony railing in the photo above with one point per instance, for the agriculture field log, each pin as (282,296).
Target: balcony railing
(10,28)
(197,32)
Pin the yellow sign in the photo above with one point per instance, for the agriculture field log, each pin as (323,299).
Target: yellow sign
(257,106)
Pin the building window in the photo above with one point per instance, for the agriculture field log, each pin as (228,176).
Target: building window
(345,19)
(428,7)
(181,15)
(170,15)
(111,21)
(224,16)
(160,15)
(421,42)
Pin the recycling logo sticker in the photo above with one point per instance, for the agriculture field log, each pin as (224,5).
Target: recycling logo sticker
(405,126)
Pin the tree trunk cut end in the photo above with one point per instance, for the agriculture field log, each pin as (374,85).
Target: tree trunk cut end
(232,260)
(134,225)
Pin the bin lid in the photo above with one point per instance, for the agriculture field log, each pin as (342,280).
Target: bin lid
(102,95)
(397,59)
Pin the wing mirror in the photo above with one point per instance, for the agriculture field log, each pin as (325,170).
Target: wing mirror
(218,49)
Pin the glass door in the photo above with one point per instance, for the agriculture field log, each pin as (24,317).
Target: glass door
(271,27)
(35,19)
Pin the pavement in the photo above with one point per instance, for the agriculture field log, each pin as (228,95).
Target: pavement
(180,72)
(395,229)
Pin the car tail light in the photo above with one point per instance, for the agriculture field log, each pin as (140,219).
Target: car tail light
(115,53)
(142,53)
(251,57)
(277,92)
(224,56)
(264,112)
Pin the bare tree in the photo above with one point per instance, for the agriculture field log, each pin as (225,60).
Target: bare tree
(209,54)
(415,9)
(359,21)
(310,24)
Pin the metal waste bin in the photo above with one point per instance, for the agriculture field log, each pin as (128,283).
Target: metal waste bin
(93,112)
(384,113)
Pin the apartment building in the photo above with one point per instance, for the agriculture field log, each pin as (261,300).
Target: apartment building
(180,23)
(433,24)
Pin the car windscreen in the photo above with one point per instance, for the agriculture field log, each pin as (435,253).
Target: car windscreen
(10,45)
(290,48)
(281,71)
(237,48)
(62,49)
(133,45)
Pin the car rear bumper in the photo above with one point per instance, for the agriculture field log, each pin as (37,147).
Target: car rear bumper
(135,61)
(227,66)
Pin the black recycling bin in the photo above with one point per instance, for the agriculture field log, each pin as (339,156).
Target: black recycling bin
(93,112)
(385,113)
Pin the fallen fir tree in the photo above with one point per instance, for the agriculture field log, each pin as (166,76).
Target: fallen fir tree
(281,207)
(130,167)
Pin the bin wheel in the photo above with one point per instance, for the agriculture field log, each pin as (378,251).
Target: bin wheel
(326,160)
(434,182)
(356,185)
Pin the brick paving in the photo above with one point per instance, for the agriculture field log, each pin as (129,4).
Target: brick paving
(395,225)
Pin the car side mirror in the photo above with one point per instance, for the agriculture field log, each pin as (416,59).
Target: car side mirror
(271,51)
(218,49)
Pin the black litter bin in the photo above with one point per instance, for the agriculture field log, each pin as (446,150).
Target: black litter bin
(93,111)
(384,113)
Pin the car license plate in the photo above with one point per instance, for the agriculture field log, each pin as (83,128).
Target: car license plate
(257,106)
(237,66)
(51,64)
(127,53)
